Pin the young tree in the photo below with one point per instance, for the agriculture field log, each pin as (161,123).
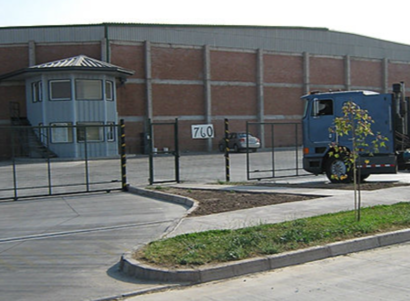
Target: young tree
(355,123)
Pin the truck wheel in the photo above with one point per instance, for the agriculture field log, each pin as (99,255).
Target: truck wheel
(236,148)
(221,148)
(337,170)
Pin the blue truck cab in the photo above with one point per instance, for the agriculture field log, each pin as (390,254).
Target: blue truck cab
(389,112)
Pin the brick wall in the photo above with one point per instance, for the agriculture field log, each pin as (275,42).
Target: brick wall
(131,100)
(177,64)
(399,72)
(13,58)
(283,101)
(129,56)
(233,66)
(178,78)
(233,100)
(326,71)
(53,52)
(367,73)
(13,93)
(283,68)
(178,100)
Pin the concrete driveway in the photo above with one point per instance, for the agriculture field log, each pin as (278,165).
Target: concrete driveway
(68,248)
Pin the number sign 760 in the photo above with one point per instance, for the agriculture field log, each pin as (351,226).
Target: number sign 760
(202,131)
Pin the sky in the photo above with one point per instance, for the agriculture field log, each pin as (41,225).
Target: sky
(377,19)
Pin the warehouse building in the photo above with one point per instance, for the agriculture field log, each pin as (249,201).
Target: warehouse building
(98,74)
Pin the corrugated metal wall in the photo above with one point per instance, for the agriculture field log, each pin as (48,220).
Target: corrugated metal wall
(282,39)
(49,34)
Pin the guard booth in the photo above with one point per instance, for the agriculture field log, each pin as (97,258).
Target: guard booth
(76,98)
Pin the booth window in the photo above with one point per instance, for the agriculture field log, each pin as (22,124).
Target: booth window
(42,133)
(60,90)
(109,90)
(110,131)
(36,91)
(88,89)
(90,131)
(61,132)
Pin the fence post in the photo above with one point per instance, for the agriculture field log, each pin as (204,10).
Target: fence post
(47,137)
(13,154)
(151,158)
(296,148)
(273,148)
(123,157)
(176,151)
(247,151)
(87,175)
(227,163)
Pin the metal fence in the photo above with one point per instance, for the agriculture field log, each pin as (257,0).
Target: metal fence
(176,156)
(163,133)
(53,160)
(37,169)
(282,152)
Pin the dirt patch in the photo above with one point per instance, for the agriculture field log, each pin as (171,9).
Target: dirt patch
(217,201)
(214,201)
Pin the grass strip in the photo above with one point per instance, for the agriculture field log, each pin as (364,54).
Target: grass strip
(218,246)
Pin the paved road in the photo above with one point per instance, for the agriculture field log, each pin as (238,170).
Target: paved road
(68,248)
(379,275)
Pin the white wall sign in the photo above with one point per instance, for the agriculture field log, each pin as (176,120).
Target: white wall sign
(202,131)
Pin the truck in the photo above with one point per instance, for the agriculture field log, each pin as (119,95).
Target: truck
(389,112)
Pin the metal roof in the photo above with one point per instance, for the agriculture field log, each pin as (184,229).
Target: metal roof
(316,41)
(81,61)
(335,93)
(76,63)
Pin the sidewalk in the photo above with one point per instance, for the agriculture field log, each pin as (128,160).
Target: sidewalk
(328,201)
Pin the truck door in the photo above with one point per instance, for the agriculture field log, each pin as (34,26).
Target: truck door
(321,118)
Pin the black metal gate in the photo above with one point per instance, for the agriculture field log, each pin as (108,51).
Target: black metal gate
(29,168)
(163,150)
(280,155)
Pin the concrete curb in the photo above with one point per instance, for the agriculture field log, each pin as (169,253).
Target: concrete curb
(177,199)
(191,203)
(134,268)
